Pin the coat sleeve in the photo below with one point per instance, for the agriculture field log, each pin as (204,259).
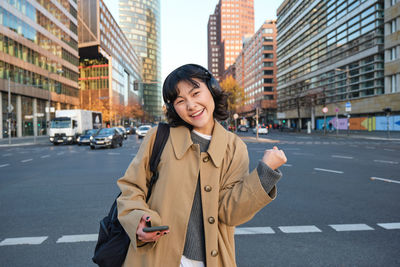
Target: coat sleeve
(133,185)
(241,193)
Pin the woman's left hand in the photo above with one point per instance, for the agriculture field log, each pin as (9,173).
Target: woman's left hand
(274,158)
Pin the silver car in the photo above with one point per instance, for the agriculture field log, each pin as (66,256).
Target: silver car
(142,130)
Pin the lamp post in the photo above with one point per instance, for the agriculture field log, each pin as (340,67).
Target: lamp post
(49,100)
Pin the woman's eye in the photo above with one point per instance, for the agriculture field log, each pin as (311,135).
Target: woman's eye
(196,93)
(178,102)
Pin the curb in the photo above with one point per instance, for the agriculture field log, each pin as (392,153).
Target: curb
(259,140)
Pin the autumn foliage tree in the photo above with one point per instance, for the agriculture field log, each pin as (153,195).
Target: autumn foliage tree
(236,97)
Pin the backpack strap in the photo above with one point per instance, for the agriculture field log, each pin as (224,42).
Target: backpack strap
(158,147)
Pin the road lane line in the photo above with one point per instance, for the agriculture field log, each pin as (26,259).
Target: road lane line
(370,147)
(389,226)
(4,165)
(326,170)
(386,161)
(351,227)
(299,229)
(287,165)
(114,153)
(341,157)
(23,241)
(387,149)
(26,160)
(385,180)
(77,238)
(302,154)
(253,230)
(45,156)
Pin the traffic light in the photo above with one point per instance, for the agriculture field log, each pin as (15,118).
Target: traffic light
(284,121)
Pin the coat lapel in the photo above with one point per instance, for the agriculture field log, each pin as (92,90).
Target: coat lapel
(181,142)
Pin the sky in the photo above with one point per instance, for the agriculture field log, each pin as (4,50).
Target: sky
(184,28)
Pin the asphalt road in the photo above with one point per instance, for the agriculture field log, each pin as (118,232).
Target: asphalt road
(329,212)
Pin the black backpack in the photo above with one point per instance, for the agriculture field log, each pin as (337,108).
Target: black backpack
(113,242)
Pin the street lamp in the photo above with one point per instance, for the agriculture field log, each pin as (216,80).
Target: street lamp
(49,100)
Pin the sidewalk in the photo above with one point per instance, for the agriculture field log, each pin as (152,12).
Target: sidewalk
(25,141)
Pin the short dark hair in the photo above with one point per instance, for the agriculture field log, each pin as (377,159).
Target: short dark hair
(187,73)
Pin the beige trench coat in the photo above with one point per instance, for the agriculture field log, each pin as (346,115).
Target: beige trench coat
(230,196)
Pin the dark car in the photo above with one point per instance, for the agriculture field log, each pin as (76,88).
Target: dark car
(106,137)
(122,131)
(84,139)
(129,130)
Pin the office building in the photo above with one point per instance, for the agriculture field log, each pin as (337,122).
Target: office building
(256,73)
(109,67)
(38,64)
(230,22)
(331,54)
(140,21)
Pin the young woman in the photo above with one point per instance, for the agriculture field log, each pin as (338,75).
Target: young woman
(204,188)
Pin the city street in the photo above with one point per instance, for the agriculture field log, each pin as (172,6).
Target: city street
(338,203)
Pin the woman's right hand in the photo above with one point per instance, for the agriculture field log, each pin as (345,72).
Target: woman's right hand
(148,237)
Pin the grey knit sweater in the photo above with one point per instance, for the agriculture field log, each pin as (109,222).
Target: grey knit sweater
(195,242)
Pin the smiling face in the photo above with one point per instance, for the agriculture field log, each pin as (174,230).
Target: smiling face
(195,105)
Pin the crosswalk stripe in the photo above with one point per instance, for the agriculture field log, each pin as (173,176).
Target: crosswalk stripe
(386,161)
(23,241)
(26,160)
(253,230)
(45,156)
(299,229)
(77,238)
(351,227)
(4,165)
(341,157)
(389,226)
(326,170)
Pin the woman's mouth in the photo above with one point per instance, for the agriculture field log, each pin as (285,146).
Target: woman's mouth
(197,114)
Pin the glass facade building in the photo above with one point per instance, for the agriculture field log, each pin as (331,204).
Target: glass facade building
(108,64)
(38,63)
(140,21)
(330,53)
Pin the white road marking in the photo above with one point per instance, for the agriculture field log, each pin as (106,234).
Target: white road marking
(301,153)
(386,161)
(288,149)
(113,153)
(26,160)
(353,145)
(4,165)
(6,155)
(77,238)
(45,156)
(370,147)
(326,170)
(351,227)
(385,180)
(300,229)
(133,154)
(342,157)
(389,226)
(387,149)
(287,165)
(23,241)
(253,230)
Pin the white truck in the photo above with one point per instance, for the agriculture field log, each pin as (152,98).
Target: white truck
(69,124)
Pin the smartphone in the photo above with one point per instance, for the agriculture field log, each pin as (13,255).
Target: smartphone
(155,228)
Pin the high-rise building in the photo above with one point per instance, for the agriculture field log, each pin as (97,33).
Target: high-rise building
(392,46)
(38,64)
(140,21)
(230,22)
(108,64)
(331,54)
(256,73)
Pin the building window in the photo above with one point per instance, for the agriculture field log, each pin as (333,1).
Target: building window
(394,83)
(393,53)
(393,27)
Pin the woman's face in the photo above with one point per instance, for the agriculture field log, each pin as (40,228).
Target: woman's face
(195,105)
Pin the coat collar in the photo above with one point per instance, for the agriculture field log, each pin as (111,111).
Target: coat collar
(181,142)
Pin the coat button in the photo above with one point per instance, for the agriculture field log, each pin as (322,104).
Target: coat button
(207,188)
(214,253)
(206,159)
(211,220)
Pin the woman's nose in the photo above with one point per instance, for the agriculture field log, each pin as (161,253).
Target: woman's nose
(190,104)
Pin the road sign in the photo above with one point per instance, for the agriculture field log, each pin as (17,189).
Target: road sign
(325,110)
(348,107)
(10,108)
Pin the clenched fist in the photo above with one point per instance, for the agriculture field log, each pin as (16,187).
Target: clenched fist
(274,158)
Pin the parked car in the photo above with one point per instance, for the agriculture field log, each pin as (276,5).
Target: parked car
(142,130)
(242,128)
(84,139)
(261,129)
(123,131)
(106,137)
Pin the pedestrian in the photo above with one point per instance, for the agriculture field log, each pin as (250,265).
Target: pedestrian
(204,187)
